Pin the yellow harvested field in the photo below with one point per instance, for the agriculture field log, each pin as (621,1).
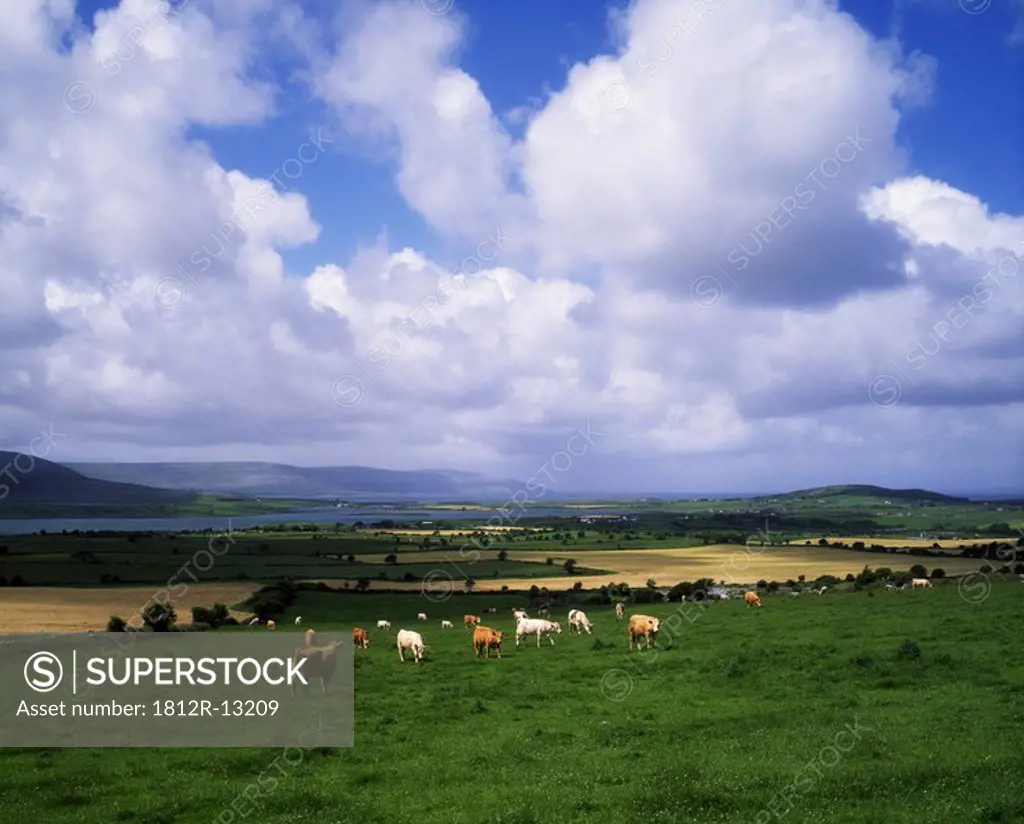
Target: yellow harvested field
(914,542)
(723,562)
(74,609)
(426,531)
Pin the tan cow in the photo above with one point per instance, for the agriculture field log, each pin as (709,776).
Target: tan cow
(642,626)
(485,639)
(752,599)
(271,624)
(620,611)
(470,620)
(360,637)
(920,583)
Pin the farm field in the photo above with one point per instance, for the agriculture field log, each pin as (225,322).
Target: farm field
(810,709)
(733,564)
(73,609)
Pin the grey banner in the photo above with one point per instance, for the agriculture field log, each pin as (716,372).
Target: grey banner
(224,688)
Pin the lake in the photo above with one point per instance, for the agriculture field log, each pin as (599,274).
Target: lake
(331,515)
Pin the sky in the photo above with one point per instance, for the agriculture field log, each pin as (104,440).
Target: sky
(706,245)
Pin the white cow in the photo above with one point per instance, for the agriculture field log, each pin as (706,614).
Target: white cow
(421,617)
(578,621)
(446,625)
(409,640)
(620,611)
(920,583)
(822,591)
(298,620)
(271,624)
(538,627)
(890,587)
(254,620)
(383,624)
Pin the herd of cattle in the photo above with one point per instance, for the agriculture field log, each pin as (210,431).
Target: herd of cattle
(639,628)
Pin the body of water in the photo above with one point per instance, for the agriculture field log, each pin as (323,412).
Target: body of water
(332,515)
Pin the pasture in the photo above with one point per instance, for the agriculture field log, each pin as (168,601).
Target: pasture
(853,707)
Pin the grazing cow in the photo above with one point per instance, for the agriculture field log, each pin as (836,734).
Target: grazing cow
(320,663)
(254,620)
(298,620)
(421,616)
(485,639)
(382,624)
(920,583)
(446,625)
(891,587)
(578,620)
(752,599)
(795,594)
(360,637)
(542,611)
(620,611)
(642,626)
(492,609)
(271,625)
(517,614)
(409,640)
(822,591)
(538,627)
(470,620)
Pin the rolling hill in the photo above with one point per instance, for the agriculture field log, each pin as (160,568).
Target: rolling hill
(867,491)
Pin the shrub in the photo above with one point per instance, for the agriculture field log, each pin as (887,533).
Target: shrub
(202,615)
(159,616)
(918,571)
(116,624)
(938,572)
(908,649)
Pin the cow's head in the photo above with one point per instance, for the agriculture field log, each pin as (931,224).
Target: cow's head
(558,628)
(654,624)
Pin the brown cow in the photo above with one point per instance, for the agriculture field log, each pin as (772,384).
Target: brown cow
(752,599)
(485,639)
(470,620)
(642,626)
(360,637)
(320,663)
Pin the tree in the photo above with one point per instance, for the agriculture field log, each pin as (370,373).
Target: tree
(362,585)
(469,583)
(502,555)
(938,573)
(569,566)
(391,559)
(651,583)
(918,571)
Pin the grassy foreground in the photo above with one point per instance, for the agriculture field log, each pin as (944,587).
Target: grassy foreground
(810,709)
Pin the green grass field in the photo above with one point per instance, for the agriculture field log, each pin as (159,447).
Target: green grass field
(738,712)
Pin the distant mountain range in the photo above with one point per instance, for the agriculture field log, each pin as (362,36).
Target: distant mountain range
(252,479)
(38,481)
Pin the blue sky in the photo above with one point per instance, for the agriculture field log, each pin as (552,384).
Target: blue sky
(607,303)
